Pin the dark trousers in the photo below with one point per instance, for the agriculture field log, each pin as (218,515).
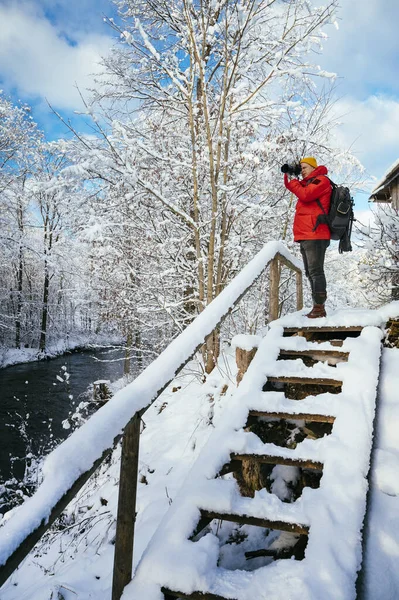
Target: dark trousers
(313,253)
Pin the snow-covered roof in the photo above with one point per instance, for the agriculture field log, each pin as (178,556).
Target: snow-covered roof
(381,192)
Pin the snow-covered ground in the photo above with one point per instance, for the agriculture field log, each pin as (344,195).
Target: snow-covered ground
(75,560)
(16,356)
(381,573)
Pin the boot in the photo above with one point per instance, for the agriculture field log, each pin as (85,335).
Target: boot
(317,311)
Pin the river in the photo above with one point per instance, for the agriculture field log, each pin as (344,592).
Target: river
(35,399)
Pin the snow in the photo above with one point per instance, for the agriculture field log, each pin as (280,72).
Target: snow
(78,453)
(15,356)
(334,511)
(382,547)
(348,317)
(81,563)
(246,342)
(174,434)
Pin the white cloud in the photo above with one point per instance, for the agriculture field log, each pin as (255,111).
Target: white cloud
(37,60)
(364,54)
(370,128)
(365,48)
(365,218)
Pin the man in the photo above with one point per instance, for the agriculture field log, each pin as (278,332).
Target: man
(314,240)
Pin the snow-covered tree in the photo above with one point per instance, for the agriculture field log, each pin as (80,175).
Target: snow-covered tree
(380,266)
(19,140)
(42,265)
(197,109)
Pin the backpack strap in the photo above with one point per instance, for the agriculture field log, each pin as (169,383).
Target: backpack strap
(319,204)
(323,218)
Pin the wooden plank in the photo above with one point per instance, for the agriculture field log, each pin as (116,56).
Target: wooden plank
(324,329)
(293,416)
(288,263)
(168,594)
(305,380)
(334,355)
(258,522)
(279,460)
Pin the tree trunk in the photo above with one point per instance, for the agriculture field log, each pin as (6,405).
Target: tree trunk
(137,344)
(20,272)
(128,353)
(46,287)
(19,299)
(395,287)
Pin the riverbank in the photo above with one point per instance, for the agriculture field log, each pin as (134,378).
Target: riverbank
(17,356)
(41,402)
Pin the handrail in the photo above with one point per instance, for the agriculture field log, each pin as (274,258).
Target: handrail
(71,464)
(275,283)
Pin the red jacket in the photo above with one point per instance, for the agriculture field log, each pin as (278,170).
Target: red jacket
(315,186)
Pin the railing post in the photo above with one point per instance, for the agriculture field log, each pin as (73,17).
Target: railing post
(299,291)
(274,285)
(123,557)
(245,352)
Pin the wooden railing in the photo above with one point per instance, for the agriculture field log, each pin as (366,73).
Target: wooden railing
(15,544)
(274,296)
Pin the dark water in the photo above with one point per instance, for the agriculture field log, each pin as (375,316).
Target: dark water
(36,397)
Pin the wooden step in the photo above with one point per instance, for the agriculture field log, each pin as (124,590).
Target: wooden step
(355,329)
(270,459)
(323,334)
(169,594)
(331,356)
(305,380)
(292,416)
(207,515)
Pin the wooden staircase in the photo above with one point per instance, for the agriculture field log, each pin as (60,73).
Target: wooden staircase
(297,375)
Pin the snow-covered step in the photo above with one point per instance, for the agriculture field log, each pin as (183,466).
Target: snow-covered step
(290,371)
(248,443)
(325,404)
(243,519)
(299,342)
(222,496)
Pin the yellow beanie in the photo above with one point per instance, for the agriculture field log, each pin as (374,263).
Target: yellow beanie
(309,161)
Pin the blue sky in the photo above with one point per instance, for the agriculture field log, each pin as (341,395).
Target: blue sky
(49,46)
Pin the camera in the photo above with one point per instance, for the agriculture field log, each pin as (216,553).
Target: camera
(291,169)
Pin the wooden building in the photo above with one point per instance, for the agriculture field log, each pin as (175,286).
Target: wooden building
(387,190)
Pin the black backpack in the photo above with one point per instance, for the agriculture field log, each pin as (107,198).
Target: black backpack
(340,217)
